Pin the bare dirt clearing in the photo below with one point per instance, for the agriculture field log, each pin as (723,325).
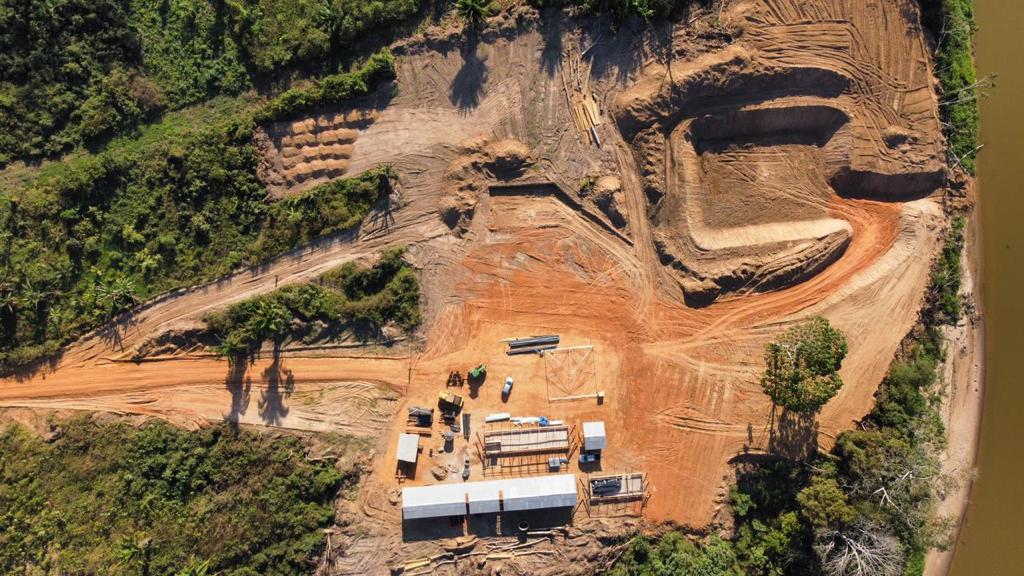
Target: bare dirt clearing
(754,182)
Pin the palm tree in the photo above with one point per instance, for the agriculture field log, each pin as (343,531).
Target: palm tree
(117,294)
(473,11)
(134,553)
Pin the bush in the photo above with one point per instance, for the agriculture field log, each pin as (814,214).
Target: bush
(348,296)
(952,22)
(946,275)
(330,89)
(623,9)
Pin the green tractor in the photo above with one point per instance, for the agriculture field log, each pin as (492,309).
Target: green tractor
(478,372)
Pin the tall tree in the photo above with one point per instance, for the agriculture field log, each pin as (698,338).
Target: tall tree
(801,368)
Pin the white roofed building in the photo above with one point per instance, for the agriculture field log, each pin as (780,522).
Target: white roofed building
(593,436)
(408,447)
(489,496)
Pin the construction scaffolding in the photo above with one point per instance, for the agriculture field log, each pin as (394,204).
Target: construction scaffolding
(624,494)
(507,450)
(570,373)
(507,441)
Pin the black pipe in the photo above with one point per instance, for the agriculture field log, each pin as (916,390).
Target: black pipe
(534,341)
(536,350)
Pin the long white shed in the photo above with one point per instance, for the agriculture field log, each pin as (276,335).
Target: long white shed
(539,492)
(489,496)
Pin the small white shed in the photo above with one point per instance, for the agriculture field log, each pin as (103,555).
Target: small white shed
(408,447)
(593,436)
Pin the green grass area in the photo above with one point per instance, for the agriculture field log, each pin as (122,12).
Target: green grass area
(108,498)
(366,299)
(76,72)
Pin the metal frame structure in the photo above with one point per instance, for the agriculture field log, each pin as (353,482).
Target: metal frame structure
(570,373)
(628,502)
(527,458)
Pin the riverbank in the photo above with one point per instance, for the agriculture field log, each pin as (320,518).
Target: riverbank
(962,374)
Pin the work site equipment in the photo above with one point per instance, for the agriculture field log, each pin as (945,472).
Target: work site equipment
(478,372)
(421,416)
(606,485)
(450,399)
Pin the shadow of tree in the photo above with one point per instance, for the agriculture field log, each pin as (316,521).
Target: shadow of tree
(280,383)
(381,217)
(551,56)
(240,385)
(468,84)
(794,435)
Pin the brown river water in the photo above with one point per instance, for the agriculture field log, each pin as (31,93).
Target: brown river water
(992,542)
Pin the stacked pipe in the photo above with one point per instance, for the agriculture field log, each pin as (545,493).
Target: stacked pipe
(532,345)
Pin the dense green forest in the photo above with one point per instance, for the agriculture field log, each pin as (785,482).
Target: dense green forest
(109,498)
(350,296)
(76,72)
(175,204)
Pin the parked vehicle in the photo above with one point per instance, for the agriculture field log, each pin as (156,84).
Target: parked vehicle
(507,388)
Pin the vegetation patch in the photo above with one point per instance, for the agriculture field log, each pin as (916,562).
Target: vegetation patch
(952,23)
(946,276)
(76,72)
(366,299)
(328,90)
(108,498)
(97,234)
